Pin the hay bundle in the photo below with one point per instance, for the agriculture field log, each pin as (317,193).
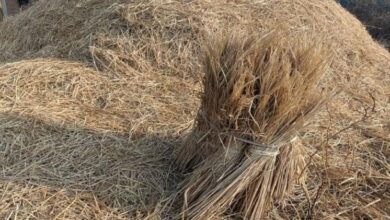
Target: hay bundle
(258,92)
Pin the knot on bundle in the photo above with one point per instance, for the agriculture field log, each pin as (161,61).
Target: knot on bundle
(257,149)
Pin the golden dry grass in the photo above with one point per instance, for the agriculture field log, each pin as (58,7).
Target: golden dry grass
(259,91)
(96,95)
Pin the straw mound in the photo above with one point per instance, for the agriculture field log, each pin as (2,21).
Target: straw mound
(116,83)
(70,94)
(49,171)
(71,134)
(159,34)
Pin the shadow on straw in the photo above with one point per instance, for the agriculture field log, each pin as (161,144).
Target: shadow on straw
(107,170)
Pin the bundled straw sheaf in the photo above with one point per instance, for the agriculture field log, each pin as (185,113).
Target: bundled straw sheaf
(258,92)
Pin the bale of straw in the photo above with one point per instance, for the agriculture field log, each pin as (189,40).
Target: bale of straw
(258,92)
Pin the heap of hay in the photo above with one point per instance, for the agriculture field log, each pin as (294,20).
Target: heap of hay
(50,172)
(258,93)
(71,94)
(116,86)
(76,143)
(164,34)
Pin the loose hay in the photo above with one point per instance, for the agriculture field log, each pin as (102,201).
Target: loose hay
(144,60)
(67,128)
(71,94)
(49,172)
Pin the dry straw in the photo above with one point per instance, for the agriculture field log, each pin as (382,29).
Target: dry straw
(258,92)
(95,95)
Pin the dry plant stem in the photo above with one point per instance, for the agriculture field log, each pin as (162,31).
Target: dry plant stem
(259,90)
(249,185)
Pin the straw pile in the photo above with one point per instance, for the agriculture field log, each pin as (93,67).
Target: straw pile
(96,95)
(67,131)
